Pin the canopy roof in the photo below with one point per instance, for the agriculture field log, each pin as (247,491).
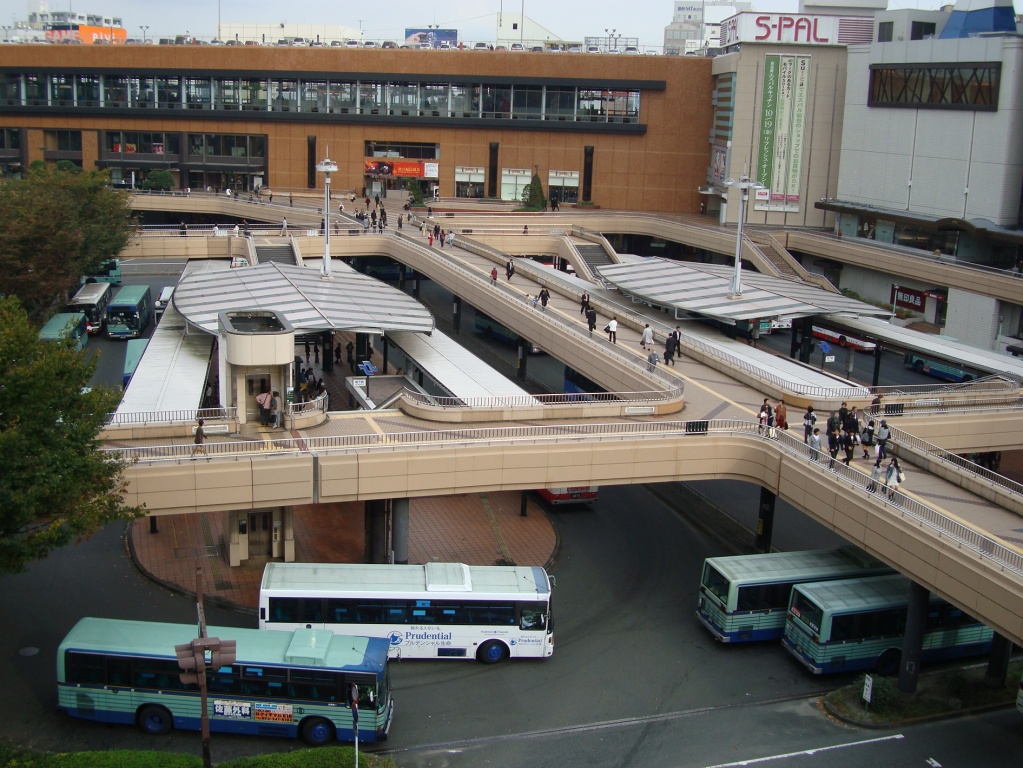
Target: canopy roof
(347,300)
(705,288)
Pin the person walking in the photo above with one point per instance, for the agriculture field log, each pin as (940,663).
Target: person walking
(867,438)
(875,476)
(647,337)
(525,230)
(350,352)
(834,444)
(848,445)
(591,319)
(184,229)
(493,276)
(509,269)
(814,441)
(852,425)
(781,415)
(275,410)
(669,349)
(809,422)
(882,435)
(284,227)
(612,330)
(271,196)
(200,436)
(545,296)
(291,200)
(263,401)
(652,359)
(584,303)
(893,477)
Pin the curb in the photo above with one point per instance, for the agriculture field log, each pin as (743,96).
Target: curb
(881,725)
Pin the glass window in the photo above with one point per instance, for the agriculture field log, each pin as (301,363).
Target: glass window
(371,98)
(314,96)
(115,91)
(61,90)
(35,90)
(285,96)
(254,94)
(496,101)
(226,94)
(195,144)
(527,102)
(87,90)
(591,105)
(168,92)
(146,91)
(214,144)
(920,30)
(257,146)
(533,617)
(885,31)
(559,103)
(171,144)
(433,99)
(465,100)
(402,99)
(343,96)
(198,93)
(10,89)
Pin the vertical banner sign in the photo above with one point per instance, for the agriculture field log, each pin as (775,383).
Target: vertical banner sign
(782,131)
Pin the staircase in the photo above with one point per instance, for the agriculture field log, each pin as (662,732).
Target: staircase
(923,327)
(280,254)
(782,262)
(594,255)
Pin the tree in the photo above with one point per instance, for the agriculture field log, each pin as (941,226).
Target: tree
(56,225)
(56,487)
(162,180)
(415,192)
(532,195)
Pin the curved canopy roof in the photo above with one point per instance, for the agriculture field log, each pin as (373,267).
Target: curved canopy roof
(347,300)
(705,289)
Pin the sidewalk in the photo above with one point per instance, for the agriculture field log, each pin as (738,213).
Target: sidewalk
(476,529)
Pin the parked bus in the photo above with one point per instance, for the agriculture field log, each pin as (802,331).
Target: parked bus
(937,369)
(281,683)
(431,611)
(573,494)
(92,299)
(843,340)
(843,626)
(108,272)
(1019,697)
(66,325)
(745,598)
(492,329)
(129,312)
(132,355)
(577,384)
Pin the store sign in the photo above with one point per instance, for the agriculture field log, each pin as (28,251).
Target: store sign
(470,170)
(409,169)
(779,28)
(907,298)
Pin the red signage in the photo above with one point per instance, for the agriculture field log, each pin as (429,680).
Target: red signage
(907,298)
(778,27)
(412,169)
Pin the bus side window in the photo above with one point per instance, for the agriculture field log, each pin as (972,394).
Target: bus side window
(532,618)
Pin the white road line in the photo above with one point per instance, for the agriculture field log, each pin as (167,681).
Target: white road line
(819,750)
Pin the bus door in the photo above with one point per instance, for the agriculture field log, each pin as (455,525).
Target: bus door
(255,385)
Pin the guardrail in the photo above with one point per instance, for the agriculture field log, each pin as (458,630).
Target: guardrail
(512,401)
(171,417)
(984,546)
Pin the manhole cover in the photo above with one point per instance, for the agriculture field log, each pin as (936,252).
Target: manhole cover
(28,651)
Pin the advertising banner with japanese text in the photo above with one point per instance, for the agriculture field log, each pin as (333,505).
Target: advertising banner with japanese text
(782,132)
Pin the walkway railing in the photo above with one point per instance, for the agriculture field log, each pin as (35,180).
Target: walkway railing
(172,417)
(984,546)
(513,401)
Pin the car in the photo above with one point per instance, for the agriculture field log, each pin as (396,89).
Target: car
(592,49)
(536,49)
(444,45)
(352,44)
(650,52)
(336,43)
(631,49)
(232,42)
(316,44)
(370,44)
(517,47)
(481,47)
(500,48)
(389,44)
(574,49)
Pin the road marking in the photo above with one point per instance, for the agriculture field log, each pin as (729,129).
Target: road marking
(819,750)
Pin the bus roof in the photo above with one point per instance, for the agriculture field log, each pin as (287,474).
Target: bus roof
(90,293)
(805,565)
(130,294)
(854,595)
(303,647)
(516,582)
(58,326)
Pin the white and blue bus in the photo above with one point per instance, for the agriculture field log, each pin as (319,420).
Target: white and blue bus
(281,683)
(129,312)
(132,357)
(92,299)
(858,624)
(745,598)
(432,611)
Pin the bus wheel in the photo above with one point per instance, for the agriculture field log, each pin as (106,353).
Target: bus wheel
(155,720)
(492,652)
(918,366)
(967,379)
(888,663)
(316,732)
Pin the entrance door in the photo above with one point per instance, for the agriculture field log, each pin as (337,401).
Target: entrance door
(260,540)
(255,384)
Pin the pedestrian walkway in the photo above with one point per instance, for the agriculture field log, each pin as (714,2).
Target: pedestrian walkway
(476,529)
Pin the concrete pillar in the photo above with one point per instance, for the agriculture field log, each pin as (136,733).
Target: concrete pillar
(327,341)
(399,530)
(362,350)
(765,521)
(237,536)
(913,640)
(288,533)
(383,351)
(878,353)
(521,363)
(805,337)
(276,532)
(379,545)
(998,661)
(415,284)
(456,314)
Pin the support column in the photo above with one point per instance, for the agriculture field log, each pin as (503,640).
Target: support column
(399,530)
(376,512)
(521,362)
(288,533)
(765,521)
(362,350)
(806,339)
(383,351)
(998,661)
(524,504)
(878,351)
(913,639)
(237,536)
(153,527)
(456,314)
(327,342)
(415,284)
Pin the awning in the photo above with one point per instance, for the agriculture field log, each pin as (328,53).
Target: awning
(347,300)
(704,289)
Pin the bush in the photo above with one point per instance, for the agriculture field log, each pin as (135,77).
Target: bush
(321,757)
(160,180)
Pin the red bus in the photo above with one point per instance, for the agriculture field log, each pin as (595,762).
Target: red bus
(572,494)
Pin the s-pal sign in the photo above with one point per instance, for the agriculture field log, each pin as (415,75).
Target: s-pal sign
(779,28)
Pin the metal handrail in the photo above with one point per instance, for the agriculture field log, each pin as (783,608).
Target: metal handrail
(984,546)
(172,417)
(517,401)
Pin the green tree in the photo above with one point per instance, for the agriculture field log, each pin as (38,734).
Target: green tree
(532,194)
(56,487)
(56,225)
(415,192)
(163,180)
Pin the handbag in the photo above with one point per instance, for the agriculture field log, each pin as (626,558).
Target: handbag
(607,329)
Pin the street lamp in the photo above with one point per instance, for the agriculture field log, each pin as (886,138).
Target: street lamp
(610,33)
(326,167)
(744,184)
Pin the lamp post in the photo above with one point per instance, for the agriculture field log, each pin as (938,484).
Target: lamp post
(610,34)
(326,167)
(744,184)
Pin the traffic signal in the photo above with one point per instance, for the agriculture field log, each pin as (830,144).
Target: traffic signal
(223,652)
(188,663)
